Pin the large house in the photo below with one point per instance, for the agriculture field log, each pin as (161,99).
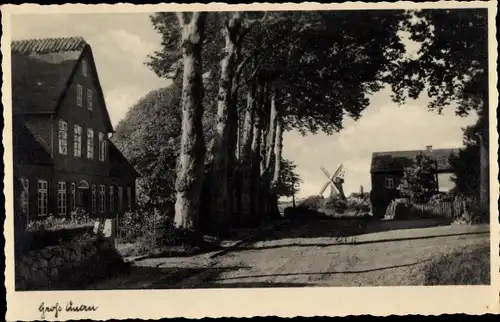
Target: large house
(63,156)
(387,170)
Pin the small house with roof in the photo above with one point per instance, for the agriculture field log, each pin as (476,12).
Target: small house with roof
(387,170)
(63,156)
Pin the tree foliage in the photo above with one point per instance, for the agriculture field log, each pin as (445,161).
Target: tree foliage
(465,168)
(452,63)
(148,137)
(289,181)
(419,180)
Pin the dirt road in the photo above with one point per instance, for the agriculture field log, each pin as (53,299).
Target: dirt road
(314,255)
(319,253)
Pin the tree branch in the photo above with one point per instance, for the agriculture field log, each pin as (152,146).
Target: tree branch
(241,65)
(195,17)
(180,17)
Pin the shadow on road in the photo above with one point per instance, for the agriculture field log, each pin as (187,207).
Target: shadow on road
(353,241)
(140,277)
(317,273)
(343,228)
(253,285)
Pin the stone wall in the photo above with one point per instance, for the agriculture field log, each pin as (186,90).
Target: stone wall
(70,265)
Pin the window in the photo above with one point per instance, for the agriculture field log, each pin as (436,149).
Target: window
(42,197)
(61,198)
(73,196)
(111,199)
(63,137)
(84,67)
(89,99)
(129,198)
(77,141)
(102,198)
(102,147)
(79,95)
(94,199)
(120,198)
(90,143)
(389,183)
(25,196)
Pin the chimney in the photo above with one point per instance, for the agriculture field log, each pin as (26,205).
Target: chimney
(428,148)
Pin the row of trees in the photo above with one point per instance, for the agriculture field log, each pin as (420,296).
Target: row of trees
(270,72)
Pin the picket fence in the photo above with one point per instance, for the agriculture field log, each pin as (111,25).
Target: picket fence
(448,209)
(444,209)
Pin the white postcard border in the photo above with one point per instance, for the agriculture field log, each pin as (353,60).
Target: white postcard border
(283,302)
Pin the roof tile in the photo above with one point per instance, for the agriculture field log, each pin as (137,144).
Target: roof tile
(48,45)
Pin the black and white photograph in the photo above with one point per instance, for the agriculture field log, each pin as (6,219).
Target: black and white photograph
(248,149)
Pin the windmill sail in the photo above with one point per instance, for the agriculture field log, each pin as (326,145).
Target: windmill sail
(331,178)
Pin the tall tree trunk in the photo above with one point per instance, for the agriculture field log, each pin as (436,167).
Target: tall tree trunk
(234,177)
(258,126)
(192,147)
(220,205)
(484,177)
(264,169)
(278,149)
(246,154)
(271,134)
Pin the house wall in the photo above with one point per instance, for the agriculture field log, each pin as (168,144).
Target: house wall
(33,173)
(73,114)
(382,196)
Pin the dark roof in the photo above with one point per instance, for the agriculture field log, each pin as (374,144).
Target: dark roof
(43,68)
(396,161)
(27,149)
(45,82)
(120,166)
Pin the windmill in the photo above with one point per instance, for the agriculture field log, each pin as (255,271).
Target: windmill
(335,182)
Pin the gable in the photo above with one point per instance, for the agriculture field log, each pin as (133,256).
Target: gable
(68,108)
(397,161)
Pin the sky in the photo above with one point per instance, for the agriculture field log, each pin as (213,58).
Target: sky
(121,43)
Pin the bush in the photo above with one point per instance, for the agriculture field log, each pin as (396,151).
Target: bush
(336,204)
(149,228)
(469,266)
(312,202)
(77,219)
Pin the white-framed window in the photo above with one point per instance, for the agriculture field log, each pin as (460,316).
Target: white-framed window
(63,137)
(102,198)
(42,197)
(77,140)
(90,143)
(61,198)
(89,99)
(102,147)
(84,67)
(389,182)
(73,196)
(25,196)
(79,95)
(120,198)
(94,199)
(129,198)
(111,199)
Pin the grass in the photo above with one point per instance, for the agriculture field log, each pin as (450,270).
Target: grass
(467,266)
